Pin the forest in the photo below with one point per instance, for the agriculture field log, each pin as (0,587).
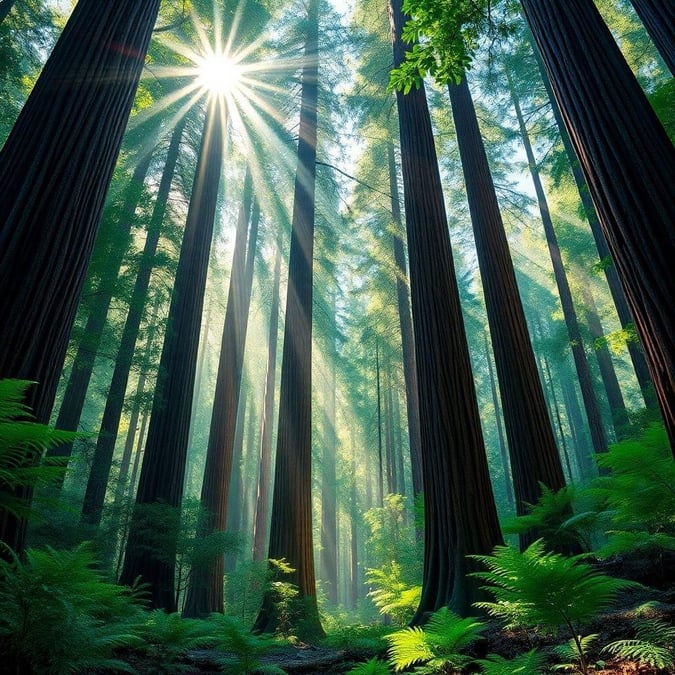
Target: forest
(337,336)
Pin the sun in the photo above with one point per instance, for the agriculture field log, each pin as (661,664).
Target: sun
(218,73)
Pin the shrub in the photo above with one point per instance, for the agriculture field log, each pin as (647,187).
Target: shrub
(391,595)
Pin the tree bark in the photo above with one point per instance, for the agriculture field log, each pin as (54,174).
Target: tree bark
(460,513)
(658,17)
(55,168)
(291,529)
(629,164)
(163,470)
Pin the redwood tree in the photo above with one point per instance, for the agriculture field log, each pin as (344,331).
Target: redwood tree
(629,164)
(55,168)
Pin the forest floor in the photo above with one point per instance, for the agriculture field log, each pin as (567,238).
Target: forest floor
(319,660)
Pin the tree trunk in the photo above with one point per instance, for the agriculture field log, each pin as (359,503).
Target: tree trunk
(55,168)
(163,470)
(460,513)
(92,507)
(658,17)
(598,436)
(407,340)
(532,448)
(205,593)
(380,458)
(629,164)
(291,529)
(267,423)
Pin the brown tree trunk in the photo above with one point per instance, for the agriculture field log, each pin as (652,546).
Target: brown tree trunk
(460,513)
(380,457)
(658,17)
(205,592)
(55,168)
(629,164)
(598,435)
(291,529)
(163,470)
(532,448)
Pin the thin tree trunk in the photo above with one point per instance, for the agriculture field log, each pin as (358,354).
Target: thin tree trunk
(354,529)
(532,448)
(629,164)
(598,435)
(453,453)
(407,340)
(55,168)
(163,470)
(380,458)
(92,507)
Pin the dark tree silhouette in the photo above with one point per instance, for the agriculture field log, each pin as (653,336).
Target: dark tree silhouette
(55,168)
(658,17)
(629,164)
(460,513)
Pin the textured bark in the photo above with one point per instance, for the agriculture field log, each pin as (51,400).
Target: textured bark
(92,506)
(291,529)
(163,469)
(83,364)
(658,17)
(205,592)
(532,448)
(55,168)
(460,513)
(267,421)
(618,296)
(629,164)
(598,436)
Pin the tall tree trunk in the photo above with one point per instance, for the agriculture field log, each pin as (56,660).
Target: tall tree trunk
(354,529)
(658,17)
(380,458)
(83,364)
(453,453)
(618,296)
(291,529)
(55,168)
(163,470)
(598,435)
(407,340)
(629,164)
(610,381)
(267,420)
(92,507)
(532,448)
(205,592)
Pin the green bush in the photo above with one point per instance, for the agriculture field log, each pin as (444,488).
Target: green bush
(390,593)
(58,615)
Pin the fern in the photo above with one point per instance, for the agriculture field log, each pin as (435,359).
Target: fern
(528,663)
(22,443)
(574,653)
(390,594)
(371,667)
(58,616)
(439,644)
(652,646)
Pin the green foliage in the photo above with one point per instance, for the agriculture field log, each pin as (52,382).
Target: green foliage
(550,518)
(246,585)
(243,648)
(638,495)
(167,637)
(652,645)
(57,615)
(370,637)
(391,595)
(22,443)
(574,653)
(539,589)
(370,667)
(526,664)
(438,645)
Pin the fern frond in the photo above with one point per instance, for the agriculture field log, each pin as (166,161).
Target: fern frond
(529,663)
(640,650)
(371,667)
(407,647)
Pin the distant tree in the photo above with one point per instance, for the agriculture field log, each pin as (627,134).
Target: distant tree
(460,512)
(658,18)
(55,168)
(163,470)
(291,523)
(629,164)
